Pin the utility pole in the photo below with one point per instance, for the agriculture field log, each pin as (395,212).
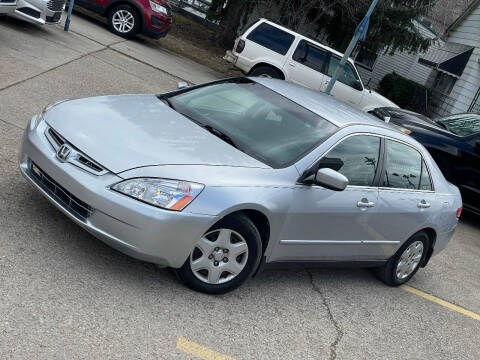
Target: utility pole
(360,33)
(69,15)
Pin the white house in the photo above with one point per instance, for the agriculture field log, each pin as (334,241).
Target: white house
(465,30)
(374,66)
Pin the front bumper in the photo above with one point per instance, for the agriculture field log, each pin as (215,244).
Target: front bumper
(41,12)
(142,231)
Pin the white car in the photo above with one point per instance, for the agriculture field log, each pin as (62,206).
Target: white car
(7,6)
(270,50)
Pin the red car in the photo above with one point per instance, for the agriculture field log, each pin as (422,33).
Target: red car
(126,18)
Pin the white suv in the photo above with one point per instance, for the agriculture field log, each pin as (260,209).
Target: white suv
(268,49)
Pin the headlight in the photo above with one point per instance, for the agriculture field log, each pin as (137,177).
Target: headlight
(163,193)
(158,8)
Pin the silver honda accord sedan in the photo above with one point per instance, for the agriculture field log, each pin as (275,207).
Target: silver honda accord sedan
(221,180)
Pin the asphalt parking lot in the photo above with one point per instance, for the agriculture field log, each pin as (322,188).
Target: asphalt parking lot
(64,294)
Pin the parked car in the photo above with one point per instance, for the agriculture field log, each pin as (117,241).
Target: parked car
(7,6)
(43,12)
(189,180)
(127,18)
(270,50)
(453,141)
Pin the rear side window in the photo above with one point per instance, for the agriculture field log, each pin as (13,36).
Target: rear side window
(403,167)
(356,158)
(425,181)
(310,56)
(272,38)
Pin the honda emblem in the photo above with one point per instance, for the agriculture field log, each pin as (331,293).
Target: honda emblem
(63,152)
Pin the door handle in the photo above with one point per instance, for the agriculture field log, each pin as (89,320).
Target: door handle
(423,204)
(292,64)
(365,204)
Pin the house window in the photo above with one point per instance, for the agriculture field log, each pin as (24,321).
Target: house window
(444,83)
(366,58)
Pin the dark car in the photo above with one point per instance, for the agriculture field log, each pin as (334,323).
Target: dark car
(126,18)
(454,143)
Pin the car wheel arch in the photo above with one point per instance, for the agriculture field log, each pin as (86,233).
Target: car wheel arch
(266,64)
(129,3)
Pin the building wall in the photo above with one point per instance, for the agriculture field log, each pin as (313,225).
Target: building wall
(402,63)
(468,33)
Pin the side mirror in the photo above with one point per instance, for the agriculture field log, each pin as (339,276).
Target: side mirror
(331,179)
(182,85)
(358,85)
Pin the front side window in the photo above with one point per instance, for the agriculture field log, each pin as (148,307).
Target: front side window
(310,55)
(272,38)
(403,167)
(355,157)
(462,125)
(255,119)
(348,76)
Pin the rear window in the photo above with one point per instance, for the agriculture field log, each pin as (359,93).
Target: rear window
(272,38)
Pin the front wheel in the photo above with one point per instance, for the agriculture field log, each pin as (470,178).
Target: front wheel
(225,256)
(124,21)
(407,260)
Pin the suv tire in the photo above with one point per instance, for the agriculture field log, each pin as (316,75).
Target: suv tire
(266,71)
(124,21)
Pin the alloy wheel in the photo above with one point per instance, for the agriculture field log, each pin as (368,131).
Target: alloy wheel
(123,21)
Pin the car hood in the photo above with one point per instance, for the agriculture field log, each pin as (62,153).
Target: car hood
(130,131)
(380,99)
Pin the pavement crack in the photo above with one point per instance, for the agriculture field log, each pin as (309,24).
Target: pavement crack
(338,329)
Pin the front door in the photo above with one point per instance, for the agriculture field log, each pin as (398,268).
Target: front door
(306,65)
(348,86)
(328,225)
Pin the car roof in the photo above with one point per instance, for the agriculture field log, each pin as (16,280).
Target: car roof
(338,53)
(326,106)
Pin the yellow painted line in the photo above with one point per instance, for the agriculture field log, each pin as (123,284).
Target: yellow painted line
(200,351)
(441,302)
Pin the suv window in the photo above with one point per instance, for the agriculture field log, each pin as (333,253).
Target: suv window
(309,55)
(356,158)
(348,77)
(272,38)
(403,167)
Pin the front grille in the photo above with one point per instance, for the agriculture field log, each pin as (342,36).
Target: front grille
(30,12)
(77,157)
(55,5)
(55,18)
(69,202)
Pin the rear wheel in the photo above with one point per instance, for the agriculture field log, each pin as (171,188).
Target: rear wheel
(407,260)
(124,21)
(225,256)
(266,71)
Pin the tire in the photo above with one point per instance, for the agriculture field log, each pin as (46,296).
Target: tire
(244,248)
(266,71)
(388,272)
(131,18)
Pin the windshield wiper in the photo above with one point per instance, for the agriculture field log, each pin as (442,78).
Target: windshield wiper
(221,135)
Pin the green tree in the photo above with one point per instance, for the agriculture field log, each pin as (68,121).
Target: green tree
(391,26)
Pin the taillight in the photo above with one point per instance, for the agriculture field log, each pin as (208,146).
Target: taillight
(240,46)
(459,212)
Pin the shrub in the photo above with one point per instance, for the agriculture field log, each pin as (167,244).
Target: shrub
(404,92)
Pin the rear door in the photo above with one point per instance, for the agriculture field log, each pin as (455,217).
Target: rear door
(406,198)
(306,65)
(348,87)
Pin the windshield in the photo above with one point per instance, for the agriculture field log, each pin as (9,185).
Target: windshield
(255,119)
(461,124)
